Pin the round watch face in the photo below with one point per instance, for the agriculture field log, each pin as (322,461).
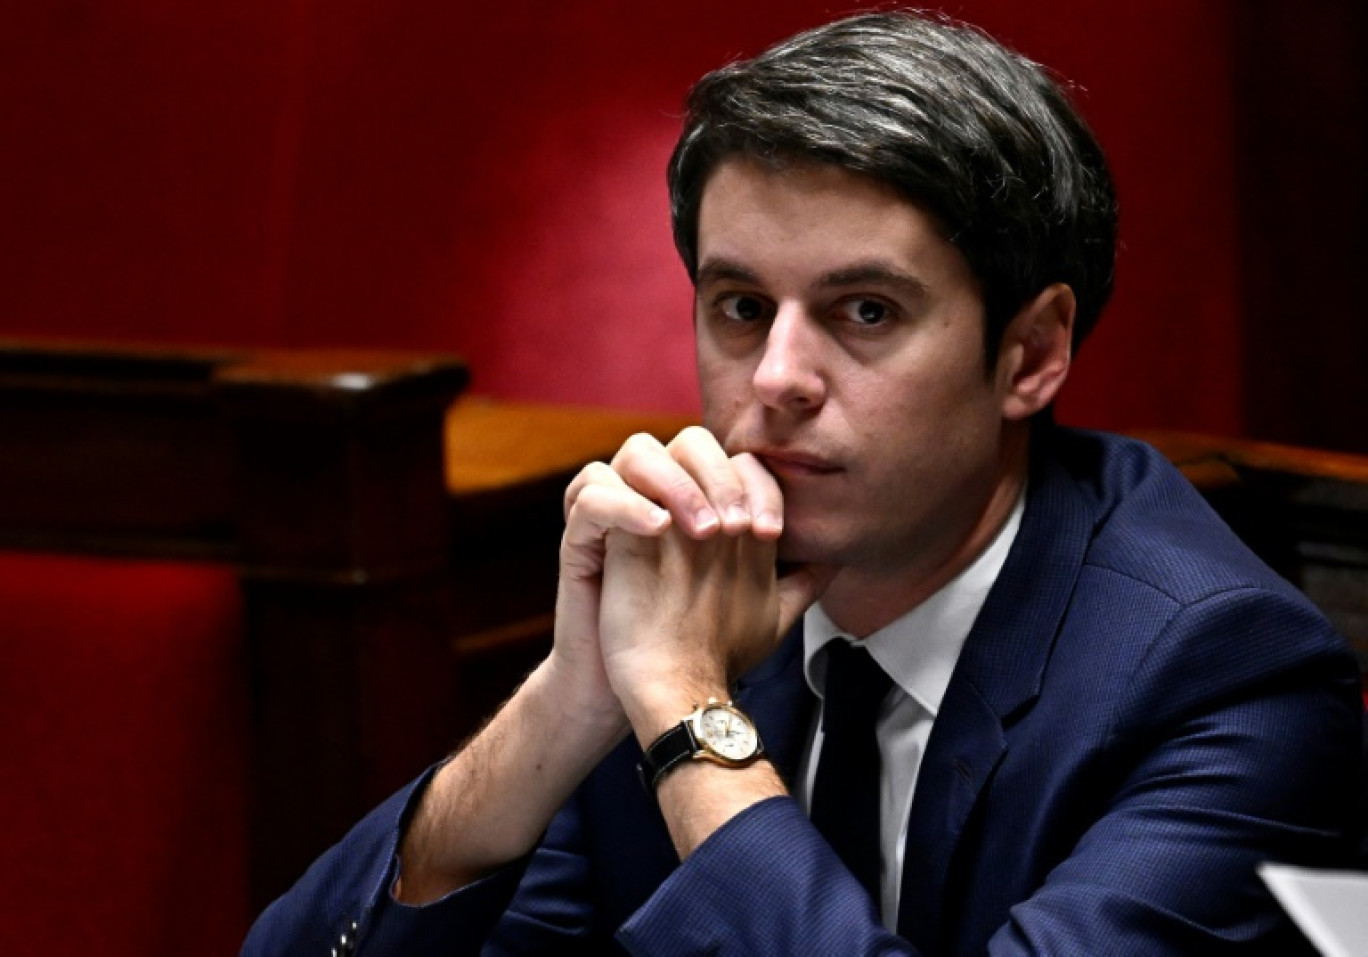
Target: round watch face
(727,733)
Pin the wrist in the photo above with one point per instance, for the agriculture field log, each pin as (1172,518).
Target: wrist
(699,797)
(585,715)
(662,703)
(716,731)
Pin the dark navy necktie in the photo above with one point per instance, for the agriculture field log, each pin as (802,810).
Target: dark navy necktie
(845,794)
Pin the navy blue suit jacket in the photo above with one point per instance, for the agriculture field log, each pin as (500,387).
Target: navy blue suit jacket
(1142,713)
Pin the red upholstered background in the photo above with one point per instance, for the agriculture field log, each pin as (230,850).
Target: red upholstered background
(487,178)
(123,726)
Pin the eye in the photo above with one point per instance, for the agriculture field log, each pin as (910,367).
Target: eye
(866,312)
(743,308)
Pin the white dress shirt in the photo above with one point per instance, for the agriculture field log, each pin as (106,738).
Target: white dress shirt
(918,651)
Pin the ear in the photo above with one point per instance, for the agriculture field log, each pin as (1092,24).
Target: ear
(1036,351)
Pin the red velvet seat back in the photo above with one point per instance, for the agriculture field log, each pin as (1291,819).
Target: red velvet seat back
(123,736)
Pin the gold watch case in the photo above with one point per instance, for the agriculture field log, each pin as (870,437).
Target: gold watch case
(725,734)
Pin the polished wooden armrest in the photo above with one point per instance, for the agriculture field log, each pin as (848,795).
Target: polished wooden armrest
(494,445)
(1211,461)
(281,461)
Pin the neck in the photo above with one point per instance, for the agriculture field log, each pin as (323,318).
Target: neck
(861,600)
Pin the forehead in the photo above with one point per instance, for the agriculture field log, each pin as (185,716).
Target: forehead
(806,218)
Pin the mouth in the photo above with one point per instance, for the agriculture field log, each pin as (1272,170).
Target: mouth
(792,464)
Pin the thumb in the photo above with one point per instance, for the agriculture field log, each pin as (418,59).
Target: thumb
(798,587)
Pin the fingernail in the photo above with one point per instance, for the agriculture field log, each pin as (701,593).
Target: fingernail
(705,520)
(769,522)
(737,515)
(659,518)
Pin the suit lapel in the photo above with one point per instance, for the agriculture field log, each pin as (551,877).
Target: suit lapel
(998,675)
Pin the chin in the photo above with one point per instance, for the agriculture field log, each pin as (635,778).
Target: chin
(806,547)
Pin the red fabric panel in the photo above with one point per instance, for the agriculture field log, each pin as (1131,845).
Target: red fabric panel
(487,178)
(123,725)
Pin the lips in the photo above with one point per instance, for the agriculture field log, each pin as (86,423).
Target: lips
(792,464)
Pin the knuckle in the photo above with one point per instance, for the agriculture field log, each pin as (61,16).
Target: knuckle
(637,444)
(587,503)
(691,439)
(585,479)
(681,486)
(599,473)
(597,497)
(725,485)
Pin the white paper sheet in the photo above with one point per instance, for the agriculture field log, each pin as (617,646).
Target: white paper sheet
(1330,907)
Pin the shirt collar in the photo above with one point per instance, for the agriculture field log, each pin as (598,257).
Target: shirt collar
(919,649)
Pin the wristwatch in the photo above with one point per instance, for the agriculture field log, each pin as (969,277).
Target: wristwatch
(717,731)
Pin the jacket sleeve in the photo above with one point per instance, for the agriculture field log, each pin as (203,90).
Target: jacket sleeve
(765,883)
(342,904)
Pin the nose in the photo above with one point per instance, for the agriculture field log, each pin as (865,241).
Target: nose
(789,375)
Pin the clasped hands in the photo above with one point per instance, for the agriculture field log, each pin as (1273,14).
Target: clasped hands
(668,584)
(668,591)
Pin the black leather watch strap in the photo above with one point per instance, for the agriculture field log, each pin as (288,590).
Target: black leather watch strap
(674,746)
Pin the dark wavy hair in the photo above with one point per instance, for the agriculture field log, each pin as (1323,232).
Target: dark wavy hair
(975,134)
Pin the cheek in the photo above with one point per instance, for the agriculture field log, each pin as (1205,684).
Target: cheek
(950,385)
(923,415)
(723,387)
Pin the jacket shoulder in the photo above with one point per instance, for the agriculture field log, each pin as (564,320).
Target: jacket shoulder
(1153,527)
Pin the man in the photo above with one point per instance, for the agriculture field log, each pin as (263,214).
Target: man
(1091,711)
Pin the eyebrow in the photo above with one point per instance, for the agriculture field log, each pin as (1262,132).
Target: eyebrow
(856,274)
(875,273)
(725,270)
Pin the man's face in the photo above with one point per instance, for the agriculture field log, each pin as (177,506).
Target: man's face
(840,339)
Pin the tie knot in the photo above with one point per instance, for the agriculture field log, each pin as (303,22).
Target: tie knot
(855,685)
